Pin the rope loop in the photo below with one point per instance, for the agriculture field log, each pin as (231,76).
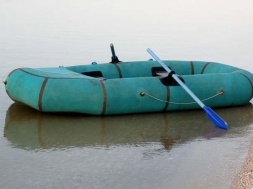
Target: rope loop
(151,96)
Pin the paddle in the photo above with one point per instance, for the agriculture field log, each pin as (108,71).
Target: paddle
(213,116)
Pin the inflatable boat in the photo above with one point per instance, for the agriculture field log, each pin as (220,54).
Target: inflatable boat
(129,87)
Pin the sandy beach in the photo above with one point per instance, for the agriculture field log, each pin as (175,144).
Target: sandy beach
(244,179)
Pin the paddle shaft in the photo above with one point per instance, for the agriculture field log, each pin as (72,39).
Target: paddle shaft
(176,78)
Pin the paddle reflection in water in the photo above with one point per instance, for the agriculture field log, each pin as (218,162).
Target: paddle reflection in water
(28,129)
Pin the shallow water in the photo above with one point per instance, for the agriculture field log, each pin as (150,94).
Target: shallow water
(160,150)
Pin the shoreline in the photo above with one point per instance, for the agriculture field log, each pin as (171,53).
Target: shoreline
(244,179)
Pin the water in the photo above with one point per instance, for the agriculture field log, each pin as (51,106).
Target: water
(170,150)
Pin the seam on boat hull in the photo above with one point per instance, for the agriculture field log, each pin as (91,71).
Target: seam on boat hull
(105,98)
(204,67)
(41,94)
(168,99)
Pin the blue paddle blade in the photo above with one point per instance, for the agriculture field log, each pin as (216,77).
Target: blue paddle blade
(215,118)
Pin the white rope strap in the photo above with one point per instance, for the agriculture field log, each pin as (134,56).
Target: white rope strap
(151,96)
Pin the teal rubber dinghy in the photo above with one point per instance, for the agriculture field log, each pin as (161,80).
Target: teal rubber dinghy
(129,87)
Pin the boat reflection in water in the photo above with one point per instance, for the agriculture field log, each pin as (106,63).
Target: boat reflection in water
(28,129)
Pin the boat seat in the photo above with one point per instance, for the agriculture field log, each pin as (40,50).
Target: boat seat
(158,71)
(161,74)
(165,78)
(96,74)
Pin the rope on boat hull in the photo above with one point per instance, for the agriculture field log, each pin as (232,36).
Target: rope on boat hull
(151,96)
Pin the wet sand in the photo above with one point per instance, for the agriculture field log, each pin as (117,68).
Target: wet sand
(244,179)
